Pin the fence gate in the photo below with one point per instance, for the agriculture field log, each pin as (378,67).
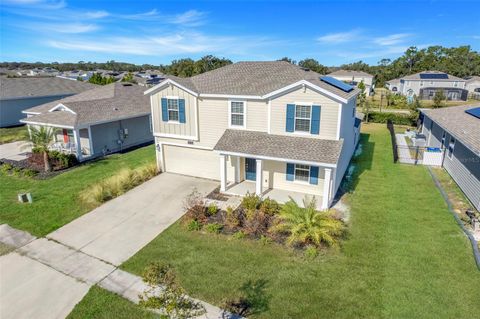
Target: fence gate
(410,154)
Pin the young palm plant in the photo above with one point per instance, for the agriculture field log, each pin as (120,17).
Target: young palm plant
(307,225)
(42,138)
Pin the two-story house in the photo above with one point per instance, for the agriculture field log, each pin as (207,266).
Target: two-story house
(427,83)
(355,78)
(271,125)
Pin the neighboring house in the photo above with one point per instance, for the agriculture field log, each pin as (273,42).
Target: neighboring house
(354,78)
(456,130)
(472,85)
(103,120)
(425,84)
(266,127)
(18,94)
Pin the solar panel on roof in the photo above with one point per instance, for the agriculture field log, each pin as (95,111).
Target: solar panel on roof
(337,83)
(474,112)
(434,76)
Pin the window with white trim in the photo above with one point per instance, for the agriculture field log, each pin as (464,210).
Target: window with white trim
(172,107)
(237,114)
(303,118)
(444,137)
(302,173)
(451,147)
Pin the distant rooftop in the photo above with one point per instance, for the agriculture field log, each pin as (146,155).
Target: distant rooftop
(463,126)
(103,103)
(432,75)
(11,88)
(350,73)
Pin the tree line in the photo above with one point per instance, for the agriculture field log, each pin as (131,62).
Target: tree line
(459,61)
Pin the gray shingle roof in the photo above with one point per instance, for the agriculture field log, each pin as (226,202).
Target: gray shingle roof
(464,127)
(416,76)
(33,87)
(254,78)
(473,79)
(280,146)
(102,104)
(350,73)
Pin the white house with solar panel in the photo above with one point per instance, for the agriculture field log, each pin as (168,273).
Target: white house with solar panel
(425,84)
(270,128)
(455,131)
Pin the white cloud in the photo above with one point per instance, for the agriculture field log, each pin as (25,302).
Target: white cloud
(190,17)
(340,37)
(178,43)
(97,14)
(391,39)
(44,4)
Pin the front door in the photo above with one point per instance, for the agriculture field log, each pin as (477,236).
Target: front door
(250,169)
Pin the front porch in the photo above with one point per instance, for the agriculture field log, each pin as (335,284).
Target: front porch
(279,195)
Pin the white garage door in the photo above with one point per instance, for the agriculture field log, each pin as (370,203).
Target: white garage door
(192,162)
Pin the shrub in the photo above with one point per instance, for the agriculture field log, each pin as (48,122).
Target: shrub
(311,252)
(194,225)
(269,207)
(6,167)
(232,219)
(116,185)
(212,209)
(213,228)
(258,224)
(395,118)
(194,205)
(16,171)
(308,226)
(239,235)
(29,172)
(251,201)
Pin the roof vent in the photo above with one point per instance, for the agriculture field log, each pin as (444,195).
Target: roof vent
(305,69)
(127,84)
(115,108)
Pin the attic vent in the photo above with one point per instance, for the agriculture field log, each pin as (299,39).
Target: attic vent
(115,108)
(127,84)
(305,69)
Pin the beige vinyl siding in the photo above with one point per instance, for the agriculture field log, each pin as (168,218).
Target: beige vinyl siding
(214,120)
(183,129)
(328,117)
(274,176)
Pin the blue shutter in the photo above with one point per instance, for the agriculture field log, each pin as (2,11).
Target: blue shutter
(290,118)
(181,110)
(315,127)
(314,175)
(164,110)
(290,171)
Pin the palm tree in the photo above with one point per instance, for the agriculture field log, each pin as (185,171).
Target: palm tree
(307,225)
(42,138)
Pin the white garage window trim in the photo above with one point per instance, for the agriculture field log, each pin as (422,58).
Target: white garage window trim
(237,113)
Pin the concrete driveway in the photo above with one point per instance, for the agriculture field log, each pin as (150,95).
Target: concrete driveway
(14,151)
(119,228)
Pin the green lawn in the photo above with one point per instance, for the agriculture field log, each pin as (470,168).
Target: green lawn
(102,304)
(12,134)
(405,257)
(55,200)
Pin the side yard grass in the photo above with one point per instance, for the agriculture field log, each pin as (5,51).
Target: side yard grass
(56,200)
(13,134)
(404,257)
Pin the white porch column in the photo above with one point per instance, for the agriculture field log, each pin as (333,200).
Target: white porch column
(259,178)
(223,173)
(237,170)
(326,188)
(78,147)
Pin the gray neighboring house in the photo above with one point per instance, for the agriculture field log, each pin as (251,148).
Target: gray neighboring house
(96,122)
(472,84)
(457,131)
(18,94)
(426,83)
(354,78)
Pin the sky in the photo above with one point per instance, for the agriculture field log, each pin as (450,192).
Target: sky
(157,32)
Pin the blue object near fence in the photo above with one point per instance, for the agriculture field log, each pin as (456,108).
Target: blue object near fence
(434,149)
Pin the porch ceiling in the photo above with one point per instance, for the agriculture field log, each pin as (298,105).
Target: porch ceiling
(280,146)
